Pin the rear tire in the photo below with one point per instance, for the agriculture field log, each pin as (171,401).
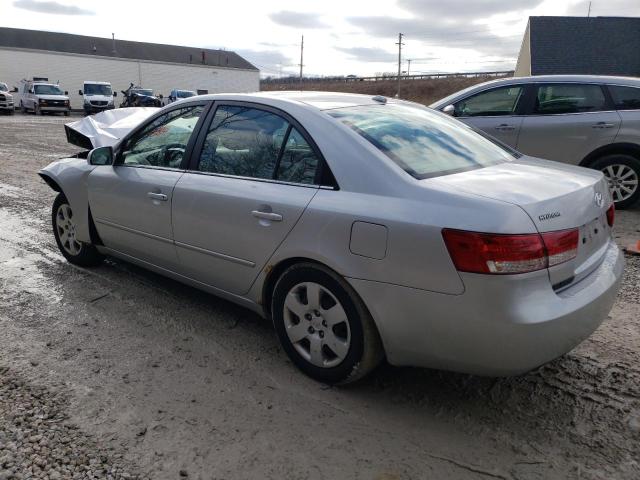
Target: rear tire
(623,175)
(64,231)
(23,109)
(332,337)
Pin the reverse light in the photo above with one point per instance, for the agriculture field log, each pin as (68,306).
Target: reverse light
(490,253)
(611,215)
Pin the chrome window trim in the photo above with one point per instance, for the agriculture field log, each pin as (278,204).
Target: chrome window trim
(263,180)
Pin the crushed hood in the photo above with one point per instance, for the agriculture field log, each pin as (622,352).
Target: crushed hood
(106,128)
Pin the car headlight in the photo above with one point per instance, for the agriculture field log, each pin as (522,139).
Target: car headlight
(87,101)
(2,97)
(66,102)
(42,102)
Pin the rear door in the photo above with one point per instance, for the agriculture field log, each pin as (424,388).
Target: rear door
(495,111)
(567,121)
(255,172)
(131,200)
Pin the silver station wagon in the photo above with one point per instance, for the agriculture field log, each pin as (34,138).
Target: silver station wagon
(591,121)
(365,228)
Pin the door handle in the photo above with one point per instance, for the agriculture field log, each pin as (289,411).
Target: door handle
(157,196)
(274,217)
(602,125)
(504,127)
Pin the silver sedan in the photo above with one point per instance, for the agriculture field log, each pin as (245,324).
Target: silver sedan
(364,228)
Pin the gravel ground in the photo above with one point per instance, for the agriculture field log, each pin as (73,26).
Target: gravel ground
(115,372)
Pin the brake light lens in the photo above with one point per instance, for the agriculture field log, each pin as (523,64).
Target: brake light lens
(561,246)
(490,253)
(611,215)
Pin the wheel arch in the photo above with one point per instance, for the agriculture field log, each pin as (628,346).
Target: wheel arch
(625,148)
(51,182)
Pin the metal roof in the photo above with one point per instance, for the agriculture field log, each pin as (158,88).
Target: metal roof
(84,45)
(585,45)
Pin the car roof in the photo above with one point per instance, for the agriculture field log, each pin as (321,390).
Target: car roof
(93,82)
(624,81)
(317,100)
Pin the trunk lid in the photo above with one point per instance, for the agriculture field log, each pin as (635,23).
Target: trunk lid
(556,197)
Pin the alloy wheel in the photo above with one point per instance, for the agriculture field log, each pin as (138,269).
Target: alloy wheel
(317,325)
(66,229)
(623,181)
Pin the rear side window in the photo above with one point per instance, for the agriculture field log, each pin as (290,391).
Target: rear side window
(298,162)
(497,102)
(422,142)
(568,98)
(625,98)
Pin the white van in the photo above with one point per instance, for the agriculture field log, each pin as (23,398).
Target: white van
(98,97)
(41,97)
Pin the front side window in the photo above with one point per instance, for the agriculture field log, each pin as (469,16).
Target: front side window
(3,87)
(163,142)
(568,98)
(497,102)
(47,90)
(625,98)
(422,142)
(243,141)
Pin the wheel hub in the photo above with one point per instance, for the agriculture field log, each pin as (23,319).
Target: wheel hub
(622,180)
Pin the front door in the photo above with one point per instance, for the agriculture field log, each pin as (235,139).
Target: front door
(131,201)
(494,111)
(567,122)
(253,180)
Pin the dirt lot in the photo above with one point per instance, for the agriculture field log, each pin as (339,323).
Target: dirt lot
(115,372)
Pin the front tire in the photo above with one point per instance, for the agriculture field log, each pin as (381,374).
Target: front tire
(623,175)
(323,325)
(64,231)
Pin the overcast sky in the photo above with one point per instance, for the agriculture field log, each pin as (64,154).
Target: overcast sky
(341,37)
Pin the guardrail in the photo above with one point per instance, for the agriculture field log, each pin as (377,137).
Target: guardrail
(386,78)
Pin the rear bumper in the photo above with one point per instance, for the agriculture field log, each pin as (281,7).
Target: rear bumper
(500,325)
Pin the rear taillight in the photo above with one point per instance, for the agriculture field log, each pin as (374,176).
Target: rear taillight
(508,254)
(611,215)
(561,246)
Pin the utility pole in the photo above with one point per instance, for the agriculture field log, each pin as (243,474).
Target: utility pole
(399,62)
(301,59)
(589,12)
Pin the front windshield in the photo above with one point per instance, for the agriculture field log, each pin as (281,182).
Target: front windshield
(47,90)
(97,89)
(3,87)
(144,91)
(185,94)
(424,143)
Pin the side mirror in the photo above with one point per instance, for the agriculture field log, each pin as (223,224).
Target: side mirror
(100,156)
(66,93)
(79,92)
(15,90)
(115,94)
(31,91)
(160,96)
(449,110)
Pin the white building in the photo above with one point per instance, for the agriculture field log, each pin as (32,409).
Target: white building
(69,60)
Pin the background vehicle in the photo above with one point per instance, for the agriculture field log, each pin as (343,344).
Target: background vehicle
(180,94)
(41,97)
(262,199)
(140,97)
(6,99)
(98,97)
(590,121)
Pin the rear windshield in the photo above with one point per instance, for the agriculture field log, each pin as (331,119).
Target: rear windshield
(424,143)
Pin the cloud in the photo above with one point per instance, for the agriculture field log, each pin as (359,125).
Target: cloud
(463,9)
(289,18)
(366,54)
(50,7)
(268,61)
